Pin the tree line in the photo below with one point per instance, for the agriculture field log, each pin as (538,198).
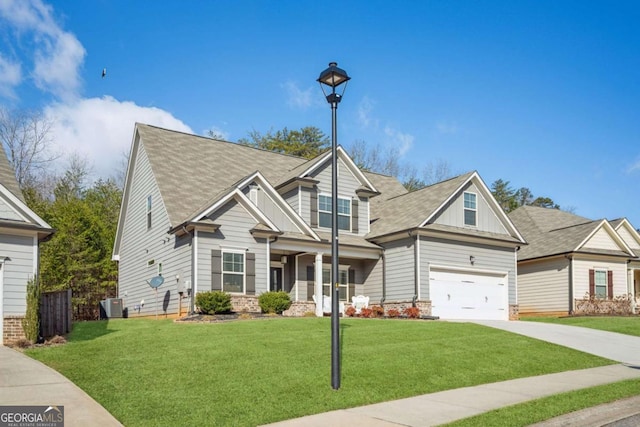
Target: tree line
(85,215)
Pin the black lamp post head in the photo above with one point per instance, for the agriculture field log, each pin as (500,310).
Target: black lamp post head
(333,77)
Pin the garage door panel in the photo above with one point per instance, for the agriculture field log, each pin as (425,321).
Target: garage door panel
(461,295)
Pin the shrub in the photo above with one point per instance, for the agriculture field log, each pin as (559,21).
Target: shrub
(350,311)
(213,302)
(56,340)
(274,302)
(377,311)
(22,343)
(366,312)
(31,321)
(245,316)
(393,313)
(412,312)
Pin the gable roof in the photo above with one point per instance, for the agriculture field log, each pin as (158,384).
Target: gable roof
(554,232)
(418,208)
(182,161)
(12,195)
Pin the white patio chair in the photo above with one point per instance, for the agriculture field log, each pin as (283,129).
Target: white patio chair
(359,302)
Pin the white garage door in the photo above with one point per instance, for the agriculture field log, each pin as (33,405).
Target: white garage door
(462,295)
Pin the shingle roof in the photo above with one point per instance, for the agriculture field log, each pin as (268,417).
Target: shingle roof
(190,169)
(388,187)
(409,210)
(8,178)
(553,232)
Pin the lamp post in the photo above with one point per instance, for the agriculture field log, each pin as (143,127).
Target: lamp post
(334,77)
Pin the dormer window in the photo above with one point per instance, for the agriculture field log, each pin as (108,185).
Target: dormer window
(324,212)
(470,209)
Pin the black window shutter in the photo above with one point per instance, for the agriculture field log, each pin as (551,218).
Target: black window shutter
(251,273)
(592,283)
(354,216)
(314,207)
(310,282)
(216,270)
(352,284)
(610,284)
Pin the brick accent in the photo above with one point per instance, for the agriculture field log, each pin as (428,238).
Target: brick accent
(12,329)
(300,308)
(619,306)
(245,303)
(424,306)
(514,313)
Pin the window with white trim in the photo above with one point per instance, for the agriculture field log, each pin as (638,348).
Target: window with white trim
(470,209)
(233,272)
(324,212)
(148,212)
(343,283)
(600,281)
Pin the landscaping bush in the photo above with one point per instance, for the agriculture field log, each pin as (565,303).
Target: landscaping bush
(350,311)
(213,302)
(393,313)
(274,302)
(366,312)
(412,312)
(377,311)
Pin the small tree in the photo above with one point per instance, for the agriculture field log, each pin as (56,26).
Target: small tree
(31,321)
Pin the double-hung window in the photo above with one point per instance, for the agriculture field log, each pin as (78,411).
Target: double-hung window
(600,279)
(324,212)
(470,209)
(343,283)
(233,272)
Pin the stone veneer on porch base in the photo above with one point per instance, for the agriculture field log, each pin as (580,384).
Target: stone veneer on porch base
(12,330)
(424,306)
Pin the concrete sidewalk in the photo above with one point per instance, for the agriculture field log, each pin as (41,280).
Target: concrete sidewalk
(25,381)
(451,405)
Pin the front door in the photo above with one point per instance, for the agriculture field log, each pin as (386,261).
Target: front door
(276,279)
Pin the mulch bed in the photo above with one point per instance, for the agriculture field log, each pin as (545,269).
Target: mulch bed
(215,318)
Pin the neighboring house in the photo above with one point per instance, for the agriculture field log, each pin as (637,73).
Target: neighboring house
(570,258)
(213,215)
(21,231)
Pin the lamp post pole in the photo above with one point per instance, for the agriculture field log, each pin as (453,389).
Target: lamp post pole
(334,77)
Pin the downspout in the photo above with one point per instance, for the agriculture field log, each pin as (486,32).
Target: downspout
(384,278)
(571,290)
(416,269)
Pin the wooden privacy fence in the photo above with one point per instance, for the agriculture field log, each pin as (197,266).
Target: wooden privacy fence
(56,313)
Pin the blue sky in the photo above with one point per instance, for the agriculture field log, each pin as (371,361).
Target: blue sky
(544,94)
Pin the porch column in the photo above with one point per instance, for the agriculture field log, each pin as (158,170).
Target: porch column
(318,284)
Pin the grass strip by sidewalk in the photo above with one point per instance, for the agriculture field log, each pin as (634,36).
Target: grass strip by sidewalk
(622,325)
(245,373)
(538,410)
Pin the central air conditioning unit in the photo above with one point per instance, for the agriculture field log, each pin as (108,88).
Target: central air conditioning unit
(111,308)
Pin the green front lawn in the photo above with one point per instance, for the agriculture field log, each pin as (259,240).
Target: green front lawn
(534,411)
(622,325)
(161,373)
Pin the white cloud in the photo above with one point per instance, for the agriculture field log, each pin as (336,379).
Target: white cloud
(634,167)
(446,128)
(365,107)
(403,141)
(218,133)
(58,54)
(299,98)
(101,129)
(10,76)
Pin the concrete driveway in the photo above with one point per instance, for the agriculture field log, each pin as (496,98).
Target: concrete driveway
(27,382)
(610,345)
